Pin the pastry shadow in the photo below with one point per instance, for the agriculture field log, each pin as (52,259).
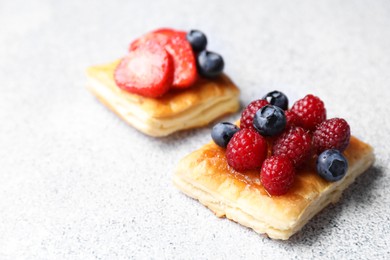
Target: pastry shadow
(176,138)
(205,130)
(321,225)
(201,130)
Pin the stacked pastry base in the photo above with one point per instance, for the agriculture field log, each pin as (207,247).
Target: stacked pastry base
(177,110)
(206,176)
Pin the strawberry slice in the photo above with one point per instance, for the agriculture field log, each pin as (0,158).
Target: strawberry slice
(179,48)
(162,39)
(147,71)
(184,62)
(161,35)
(171,32)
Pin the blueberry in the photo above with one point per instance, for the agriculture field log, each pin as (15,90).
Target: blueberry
(210,64)
(197,39)
(223,132)
(277,98)
(332,165)
(269,120)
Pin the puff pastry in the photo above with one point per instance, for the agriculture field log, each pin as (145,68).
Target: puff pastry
(177,110)
(206,176)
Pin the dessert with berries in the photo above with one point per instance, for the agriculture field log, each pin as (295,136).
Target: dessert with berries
(277,167)
(168,81)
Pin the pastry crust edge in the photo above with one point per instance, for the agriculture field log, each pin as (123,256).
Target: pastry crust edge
(231,210)
(145,115)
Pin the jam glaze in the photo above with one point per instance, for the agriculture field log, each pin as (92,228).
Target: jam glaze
(305,178)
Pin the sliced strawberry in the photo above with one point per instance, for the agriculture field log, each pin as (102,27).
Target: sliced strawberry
(147,71)
(162,39)
(171,32)
(184,62)
(161,35)
(177,45)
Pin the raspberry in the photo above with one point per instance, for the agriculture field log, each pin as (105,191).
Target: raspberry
(292,119)
(246,150)
(277,175)
(295,143)
(249,112)
(331,134)
(311,111)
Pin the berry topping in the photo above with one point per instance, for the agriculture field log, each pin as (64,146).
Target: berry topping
(184,62)
(295,143)
(332,165)
(210,64)
(246,150)
(269,120)
(249,112)
(197,39)
(171,32)
(277,175)
(311,111)
(160,35)
(223,132)
(278,99)
(179,48)
(292,119)
(331,134)
(147,71)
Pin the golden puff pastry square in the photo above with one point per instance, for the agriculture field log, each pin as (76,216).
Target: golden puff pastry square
(205,175)
(193,107)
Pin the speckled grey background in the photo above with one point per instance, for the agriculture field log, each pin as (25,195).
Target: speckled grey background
(78,183)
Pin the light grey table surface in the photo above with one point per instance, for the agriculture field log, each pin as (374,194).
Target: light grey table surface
(78,183)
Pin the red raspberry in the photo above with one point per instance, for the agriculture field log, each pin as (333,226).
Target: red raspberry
(249,112)
(331,134)
(295,143)
(246,150)
(311,110)
(292,119)
(277,175)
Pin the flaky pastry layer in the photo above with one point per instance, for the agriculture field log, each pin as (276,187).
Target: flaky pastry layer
(177,110)
(206,176)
